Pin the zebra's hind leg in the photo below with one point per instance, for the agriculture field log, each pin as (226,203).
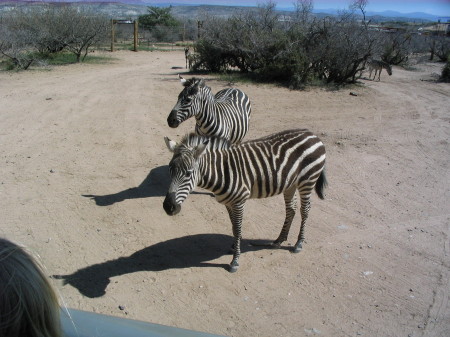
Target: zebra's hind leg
(290,201)
(236,212)
(304,209)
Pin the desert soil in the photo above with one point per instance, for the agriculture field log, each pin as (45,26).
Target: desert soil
(84,174)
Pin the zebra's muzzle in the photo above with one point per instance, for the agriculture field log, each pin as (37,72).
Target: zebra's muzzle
(170,206)
(172,120)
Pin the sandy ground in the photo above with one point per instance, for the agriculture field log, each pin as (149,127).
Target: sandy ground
(84,174)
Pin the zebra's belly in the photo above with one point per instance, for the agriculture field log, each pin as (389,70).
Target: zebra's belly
(264,191)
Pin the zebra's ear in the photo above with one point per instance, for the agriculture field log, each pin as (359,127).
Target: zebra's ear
(200,149)
(182,79)
(171,145)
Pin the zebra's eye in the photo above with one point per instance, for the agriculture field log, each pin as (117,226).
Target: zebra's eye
(188,173)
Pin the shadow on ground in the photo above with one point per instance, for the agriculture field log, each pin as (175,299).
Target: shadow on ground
(155,184)
(185,252)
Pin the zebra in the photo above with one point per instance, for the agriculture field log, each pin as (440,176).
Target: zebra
(187,56)
(285,162)
(191,58)
(226,114)
(378,66)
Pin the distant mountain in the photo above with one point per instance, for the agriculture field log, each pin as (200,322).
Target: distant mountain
(134,8)
(414,15)
(113,9)
(387,15)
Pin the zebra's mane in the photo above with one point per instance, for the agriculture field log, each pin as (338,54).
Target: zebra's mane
(192,140)
(192,85)
(191,81)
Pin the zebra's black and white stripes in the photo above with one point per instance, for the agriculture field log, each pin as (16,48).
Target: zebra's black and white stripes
(225,115)
(284,162)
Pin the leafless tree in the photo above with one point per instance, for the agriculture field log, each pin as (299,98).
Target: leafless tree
(397,47)
(303,10)
(439,46)
(15,43)
(83,28)
(361,5)
(50,29)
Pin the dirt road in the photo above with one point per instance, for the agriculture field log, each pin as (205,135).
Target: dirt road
(84,174)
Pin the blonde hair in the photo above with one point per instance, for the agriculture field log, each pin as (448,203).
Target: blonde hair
(28,304)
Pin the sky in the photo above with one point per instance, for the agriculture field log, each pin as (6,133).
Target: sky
(435,7)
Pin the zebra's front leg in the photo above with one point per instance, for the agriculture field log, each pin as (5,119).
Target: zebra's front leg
(290,201)
(236,212)
(305,207)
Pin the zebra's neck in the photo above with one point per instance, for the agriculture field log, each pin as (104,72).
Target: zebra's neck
(205,177)
(208,104)
(214,143)
(213,158)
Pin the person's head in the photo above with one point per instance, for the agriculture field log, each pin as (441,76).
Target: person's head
(28,304)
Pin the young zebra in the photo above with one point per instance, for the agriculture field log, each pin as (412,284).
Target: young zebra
(225,114)
(378,66)
(284,162)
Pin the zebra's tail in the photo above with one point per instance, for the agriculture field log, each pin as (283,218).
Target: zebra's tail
(321,183)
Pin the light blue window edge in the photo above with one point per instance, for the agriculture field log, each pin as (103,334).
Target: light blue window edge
(78,323)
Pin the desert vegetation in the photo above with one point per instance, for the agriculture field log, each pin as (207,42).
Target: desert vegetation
(159,25)
(35,34)
(296,49)
(302,49)
(445,76)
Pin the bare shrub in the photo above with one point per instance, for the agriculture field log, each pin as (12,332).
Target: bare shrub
(445,76)
(82,28)
(397,47)
(295,50)
(338,49)
(34,32)
(15,44)
(439,46)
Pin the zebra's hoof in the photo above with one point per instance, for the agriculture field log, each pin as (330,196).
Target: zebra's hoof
(297,250)
(233,268)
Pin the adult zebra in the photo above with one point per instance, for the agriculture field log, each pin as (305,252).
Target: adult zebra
(225,114)
(284,162)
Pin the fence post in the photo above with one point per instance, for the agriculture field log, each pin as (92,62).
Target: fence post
(112,34)
(135,35)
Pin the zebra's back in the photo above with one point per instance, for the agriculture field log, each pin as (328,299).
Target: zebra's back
(267,166)
(375,64)
(378,65)
(230,118)
(236,97)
